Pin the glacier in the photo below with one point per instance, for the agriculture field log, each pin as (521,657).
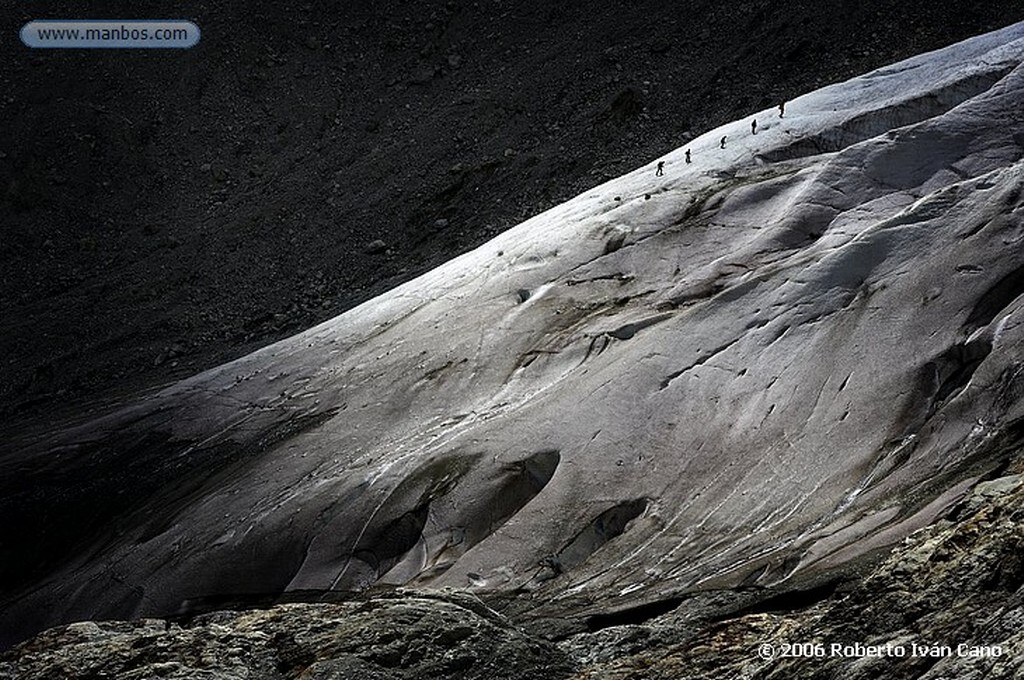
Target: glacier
(753,372)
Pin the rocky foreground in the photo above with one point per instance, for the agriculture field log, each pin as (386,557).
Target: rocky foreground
(951,594)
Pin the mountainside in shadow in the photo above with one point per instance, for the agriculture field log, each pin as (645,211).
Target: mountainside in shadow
(164,212)
(713,392)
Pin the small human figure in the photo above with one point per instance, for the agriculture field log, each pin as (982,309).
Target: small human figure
(782,109)
(553,565)
(687,155)
(753,127)
(721,144)
(661,169)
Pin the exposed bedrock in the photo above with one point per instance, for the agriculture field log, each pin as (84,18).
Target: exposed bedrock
(403,636)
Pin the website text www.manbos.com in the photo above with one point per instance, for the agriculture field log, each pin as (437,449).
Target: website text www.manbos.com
(119,33)
(109,34)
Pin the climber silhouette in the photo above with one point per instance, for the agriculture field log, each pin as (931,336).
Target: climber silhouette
(661,169)
(782,109)
(721,144)
(687,155)
(753,127)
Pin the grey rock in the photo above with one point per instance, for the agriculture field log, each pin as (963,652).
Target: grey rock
(398,637)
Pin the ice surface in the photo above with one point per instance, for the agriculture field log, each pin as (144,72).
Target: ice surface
(746,371)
